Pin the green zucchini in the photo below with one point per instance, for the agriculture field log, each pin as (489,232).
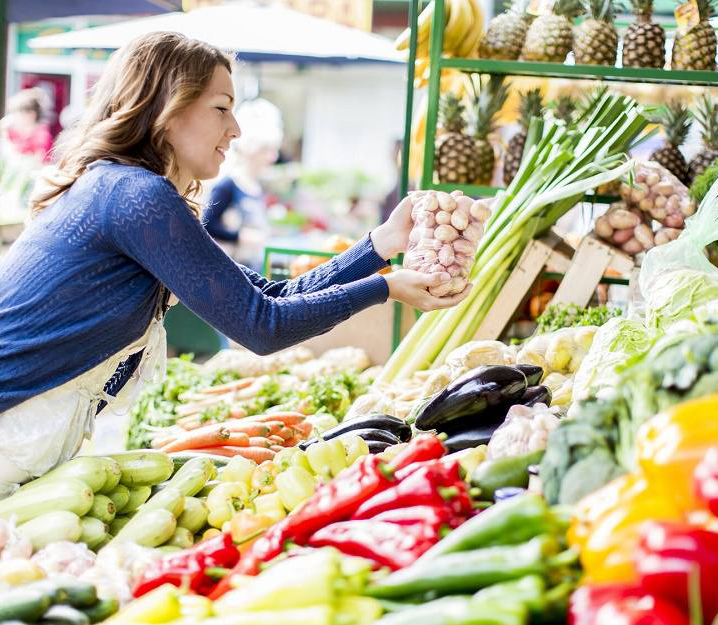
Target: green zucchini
(52,527)
(168,499)
(150,528)
(102,610)
(76,593)
(23,604)
(120,496)
(208,488)
(107,538)
(89,470)
(179,459)
(71,494)
(65,615)
(118,523)
(194,515)
(181,538)
(491,475)
(143,467)
(102,508)
(93,531)
(193,476)
(138,496)
(112,474)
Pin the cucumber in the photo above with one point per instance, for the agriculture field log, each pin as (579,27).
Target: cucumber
(71,494)
(168,499)
(179,459)
(138,496)
(65,615)
(102,508)
(52,527)
(491,475)
(93,531)
(120,496)
(102,610)
(144,467)
(148,529)
(193,476)
(89,470)
(112,474)
(76,593)
(181,538)
(208,488)
(194,515)
(23,604)
(118,523)
(167,549)
(104,542)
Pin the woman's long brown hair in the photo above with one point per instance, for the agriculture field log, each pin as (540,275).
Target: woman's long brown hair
(147,83)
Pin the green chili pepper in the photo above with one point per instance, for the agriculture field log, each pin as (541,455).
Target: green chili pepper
(469,570)
(529,590)
(459,611)
(509,522)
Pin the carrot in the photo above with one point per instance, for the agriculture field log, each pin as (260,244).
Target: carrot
(260,441)
(194,424)
(277,440)
(291,442)
(250,428)
(288,418)
(258,454)
(276,448)
(238,439)
(236,385)
(187,409)
(162,440)
(202,437)
(286,433)
(238,413)
(274,426)
(188,419)
(303,429)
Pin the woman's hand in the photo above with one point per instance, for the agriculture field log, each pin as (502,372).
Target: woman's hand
(409,287)
(392,236)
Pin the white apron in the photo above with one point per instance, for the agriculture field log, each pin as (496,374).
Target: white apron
(48,429)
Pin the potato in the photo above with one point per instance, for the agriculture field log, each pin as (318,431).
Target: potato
(660,201)
(603,228)
(646,204)
(688,207)
(644,235)
(653,179)
(621,236)
(621,218)
(665,188)
(674,220)
(632,246)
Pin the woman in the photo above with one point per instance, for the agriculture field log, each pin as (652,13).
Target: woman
(23,127)
(84,289)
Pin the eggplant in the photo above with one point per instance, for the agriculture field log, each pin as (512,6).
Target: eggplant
(471,437)
(533,373)
(376,447)
(368,434)
(536,395)
(474,393)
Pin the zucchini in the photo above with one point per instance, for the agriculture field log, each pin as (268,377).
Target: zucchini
(120,496)
(143,467)
(23,604)
(394,425)
(194,515)
(93,531)
(112,474)
(193,476)
(103,542)
(474,393)
(76,593)
(148,529)
(88,470)
(118,523)
(168,499)
(102,610)
(52,527)
(491,475)
(138,496)
(65,615)
(181,458)
(102,508)
(182,538)
(71,494)
(208,488)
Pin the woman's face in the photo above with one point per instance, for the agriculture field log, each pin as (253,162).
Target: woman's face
(200,134)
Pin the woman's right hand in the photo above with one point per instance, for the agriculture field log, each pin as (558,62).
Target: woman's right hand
(410,287)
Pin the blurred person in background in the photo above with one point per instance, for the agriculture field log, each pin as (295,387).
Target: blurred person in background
(23,128)
(236,213)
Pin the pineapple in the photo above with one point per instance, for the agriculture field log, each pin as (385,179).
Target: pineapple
(644,44)
(550,36)
(505,35)
(487,103)
(564,109)
(696,49)
(676,123)
(531,106)
(707,117)
(455,159)
(595,41)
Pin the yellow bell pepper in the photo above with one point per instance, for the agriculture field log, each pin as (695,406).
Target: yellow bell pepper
(263,478)
(239,469)
(327,458)
(354,448)
(295,486)
(671,444)
(270,505)
(247,526)
(224,500)
(158,606)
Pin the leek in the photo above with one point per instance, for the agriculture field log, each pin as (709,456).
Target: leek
(558,167)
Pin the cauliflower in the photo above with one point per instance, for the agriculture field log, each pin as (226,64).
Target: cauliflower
(525,430)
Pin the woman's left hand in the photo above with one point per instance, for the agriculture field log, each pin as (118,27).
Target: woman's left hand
(392,236)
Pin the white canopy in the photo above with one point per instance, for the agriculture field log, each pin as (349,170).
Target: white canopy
(255,31)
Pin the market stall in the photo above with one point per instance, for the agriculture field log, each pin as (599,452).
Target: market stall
(566,475)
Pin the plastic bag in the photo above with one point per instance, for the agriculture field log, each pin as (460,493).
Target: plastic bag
(561,351)
(447,229)
(525,430)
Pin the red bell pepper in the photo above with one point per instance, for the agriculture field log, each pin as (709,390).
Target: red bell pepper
(669,553)
(436,516)
(421,448)
(432,483)
(190,566)
(622,604)
(387,544)
(705,479)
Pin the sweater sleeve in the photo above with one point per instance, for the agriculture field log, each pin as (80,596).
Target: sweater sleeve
(149,222)
(219,201)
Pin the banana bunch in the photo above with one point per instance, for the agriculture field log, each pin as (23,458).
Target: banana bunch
(463,26)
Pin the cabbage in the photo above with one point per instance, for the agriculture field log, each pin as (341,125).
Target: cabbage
(676,295)
(613,345)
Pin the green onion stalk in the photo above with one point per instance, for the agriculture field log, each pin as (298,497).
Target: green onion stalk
(558,167)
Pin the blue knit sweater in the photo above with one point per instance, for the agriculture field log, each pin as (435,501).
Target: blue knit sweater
(84,279)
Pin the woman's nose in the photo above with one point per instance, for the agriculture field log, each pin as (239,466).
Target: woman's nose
(234,131)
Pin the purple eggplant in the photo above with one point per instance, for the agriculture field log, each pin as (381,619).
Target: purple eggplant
(536,395)
(533,373)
